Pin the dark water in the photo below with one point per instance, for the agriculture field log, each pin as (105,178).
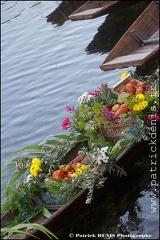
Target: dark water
(47,62)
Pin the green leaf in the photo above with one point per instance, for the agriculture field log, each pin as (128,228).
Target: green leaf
(83,108)
(12,160)
(46,213)
(97,107)
(63,136)
(36,147)
(123,97)
(53,142)
(36,153)
(17,176)
(11,170)
(8,165)
(81,125)
(29,226)
(4,231)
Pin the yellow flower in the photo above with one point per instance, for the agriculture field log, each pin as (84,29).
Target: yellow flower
(140,106)
(144,104)
(78,170)
(33,171)
(74,175)
(35,168)
(137,107)
(84,168)
(36,161)
(124,74)
(140,96)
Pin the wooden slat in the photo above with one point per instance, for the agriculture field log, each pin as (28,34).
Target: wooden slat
(92,9)
(137,58)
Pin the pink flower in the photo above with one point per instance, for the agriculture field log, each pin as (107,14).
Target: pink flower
(151,117)
(105,85)
(95,93)
(69,109)
(106,108)
(65,123)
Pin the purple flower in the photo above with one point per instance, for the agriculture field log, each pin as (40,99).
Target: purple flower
(151,117)
(105,85)
(106,108)
(157,118)
(110,116)
(69,109)
(95,93)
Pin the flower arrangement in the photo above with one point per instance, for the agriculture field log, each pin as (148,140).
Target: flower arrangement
(42,170)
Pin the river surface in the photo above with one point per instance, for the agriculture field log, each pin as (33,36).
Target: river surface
(47,62)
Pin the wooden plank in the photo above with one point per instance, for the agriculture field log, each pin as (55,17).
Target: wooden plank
(92,9)
(137,58)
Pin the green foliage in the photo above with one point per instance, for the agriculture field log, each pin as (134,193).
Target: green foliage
(88,117)
(54,187)
(106,96)
(123,97)
(138,132)
(18,199)
(51,152)
(8,231)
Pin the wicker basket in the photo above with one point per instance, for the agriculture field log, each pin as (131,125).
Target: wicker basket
(118,86)
(113,131)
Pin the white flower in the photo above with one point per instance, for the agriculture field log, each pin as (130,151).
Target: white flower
(103,154)
(104,150)
(105,159)
(85,97)
(29,178)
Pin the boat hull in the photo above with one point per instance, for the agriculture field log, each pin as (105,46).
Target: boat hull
(131,51)
(76,206)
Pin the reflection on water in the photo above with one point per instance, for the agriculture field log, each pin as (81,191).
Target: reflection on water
(114,26)
(61,13)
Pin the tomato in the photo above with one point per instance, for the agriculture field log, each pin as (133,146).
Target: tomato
(141,84)
(69,173)
(140,90)
(121,111)
(130,88)
(124,104)
(58,175)
(133,82)
(115,107)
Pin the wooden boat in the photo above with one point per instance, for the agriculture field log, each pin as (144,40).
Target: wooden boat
(62,215)
(65,214)
(139,44)
(93,9)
